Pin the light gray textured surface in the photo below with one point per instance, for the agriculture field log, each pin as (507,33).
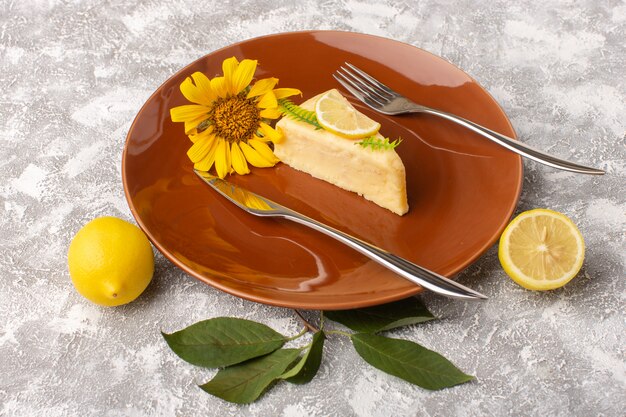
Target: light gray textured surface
(73,74)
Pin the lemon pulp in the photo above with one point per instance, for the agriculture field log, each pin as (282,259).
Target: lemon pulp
(335,114)
(541,249)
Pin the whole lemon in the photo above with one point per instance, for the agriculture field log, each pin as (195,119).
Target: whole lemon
(110,261)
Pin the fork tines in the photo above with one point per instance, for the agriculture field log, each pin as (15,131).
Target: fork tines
(363,86)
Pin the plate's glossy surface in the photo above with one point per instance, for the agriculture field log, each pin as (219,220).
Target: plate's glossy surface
(462,189)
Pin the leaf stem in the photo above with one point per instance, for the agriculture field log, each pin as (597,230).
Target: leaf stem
(308,325)
(322,320)
(302,333)
(339,332)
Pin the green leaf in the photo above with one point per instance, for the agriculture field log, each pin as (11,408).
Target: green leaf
(409,361)
(223,341)
(383,317)
(377,143)
(307,367)
(245,382)
(295,112)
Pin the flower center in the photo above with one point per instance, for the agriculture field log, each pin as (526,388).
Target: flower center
(235,118)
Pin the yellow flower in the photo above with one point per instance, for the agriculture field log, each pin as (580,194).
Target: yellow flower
(229,122)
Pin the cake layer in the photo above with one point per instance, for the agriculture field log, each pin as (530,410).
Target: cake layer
(377,175)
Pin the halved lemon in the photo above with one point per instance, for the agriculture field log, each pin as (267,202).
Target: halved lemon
(335,114)
(541,249)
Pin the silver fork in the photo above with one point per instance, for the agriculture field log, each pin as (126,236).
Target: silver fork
(385,100)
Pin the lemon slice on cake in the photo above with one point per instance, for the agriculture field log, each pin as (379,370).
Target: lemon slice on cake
(335,114)
(541,250)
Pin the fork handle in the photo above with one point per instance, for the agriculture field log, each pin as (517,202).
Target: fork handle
(408,270)
(511,144)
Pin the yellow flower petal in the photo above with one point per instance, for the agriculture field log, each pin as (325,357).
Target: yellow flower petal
(239,160)
(268,100)
(263,150)
(193,93)
(254,157)
(286,92)
(222,158)
(243,75)
(199,149)
(261,138)
(207,162)
(204,85)
(190,125)
(272,113)
(219,86)
(195,136)
(229,66)
(188,112)
(270,133)
(262,86)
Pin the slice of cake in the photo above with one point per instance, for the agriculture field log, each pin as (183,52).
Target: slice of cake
(376,174)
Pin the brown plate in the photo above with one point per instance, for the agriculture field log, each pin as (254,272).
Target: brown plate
(462,189)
